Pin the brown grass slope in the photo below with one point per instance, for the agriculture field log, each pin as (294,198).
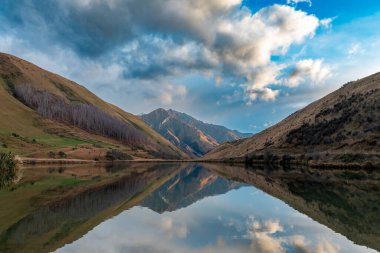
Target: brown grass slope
(35,136)
(344,125)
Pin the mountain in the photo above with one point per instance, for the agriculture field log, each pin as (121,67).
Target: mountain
(190,185)
(43,114)
(343,126)
(192,136)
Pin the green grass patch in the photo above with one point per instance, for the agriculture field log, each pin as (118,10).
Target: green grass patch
(55,141)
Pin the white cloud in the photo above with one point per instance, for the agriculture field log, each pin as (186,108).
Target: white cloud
(326,23)
(264,76)
(353,49)
(303,245)
(264,94)
(172,228)
(165,39)
(295,2)
(253,40)
(165,94)
(221,38)
(268,124)
(238,45)
(261,235)
(308,69)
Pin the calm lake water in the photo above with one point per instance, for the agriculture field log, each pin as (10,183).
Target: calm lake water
(140,208)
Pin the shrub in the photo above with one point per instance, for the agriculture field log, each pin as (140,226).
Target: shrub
(7,168)
(62,154)
(51,154)
(117,155)
(330,122)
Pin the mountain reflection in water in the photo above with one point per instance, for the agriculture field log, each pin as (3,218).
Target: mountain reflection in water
(190,208)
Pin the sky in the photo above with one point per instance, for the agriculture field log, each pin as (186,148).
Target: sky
(245,64)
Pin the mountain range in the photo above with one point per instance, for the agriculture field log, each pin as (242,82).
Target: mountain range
(192,136)
(343,126)
(44,115)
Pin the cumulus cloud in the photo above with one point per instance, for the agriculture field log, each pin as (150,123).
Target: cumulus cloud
(265,94)
(150,57)
(250,41)
(308,69)
(166,93)
(303,246)
(163,39)
(261,234)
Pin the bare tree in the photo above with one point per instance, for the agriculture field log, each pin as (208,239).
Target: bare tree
(84,116)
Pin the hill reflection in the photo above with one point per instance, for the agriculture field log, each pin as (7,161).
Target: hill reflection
(347,202)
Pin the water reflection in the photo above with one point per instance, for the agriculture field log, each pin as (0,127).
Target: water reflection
(8,176)
(346,201)
(192,208)
(187,187)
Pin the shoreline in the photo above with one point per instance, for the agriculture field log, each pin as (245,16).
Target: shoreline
(312,164)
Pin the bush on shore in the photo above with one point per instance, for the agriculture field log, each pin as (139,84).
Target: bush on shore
(7,168)
(113,155)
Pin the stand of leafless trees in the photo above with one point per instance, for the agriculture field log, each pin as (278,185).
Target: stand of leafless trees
(84,116)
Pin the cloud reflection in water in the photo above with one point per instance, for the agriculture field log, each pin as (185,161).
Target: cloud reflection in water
(242,220)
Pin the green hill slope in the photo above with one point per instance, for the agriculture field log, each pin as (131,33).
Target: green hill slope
(26,132)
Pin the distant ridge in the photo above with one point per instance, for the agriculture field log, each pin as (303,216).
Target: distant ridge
(192,136)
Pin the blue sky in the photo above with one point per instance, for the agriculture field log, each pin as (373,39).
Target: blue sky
(246,65)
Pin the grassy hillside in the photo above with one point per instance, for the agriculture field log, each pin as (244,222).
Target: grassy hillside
(27,133)
(343,126)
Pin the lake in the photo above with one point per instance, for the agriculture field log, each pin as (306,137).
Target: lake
(158,207)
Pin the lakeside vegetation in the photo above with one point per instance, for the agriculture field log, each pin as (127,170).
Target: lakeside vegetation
(8,166)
